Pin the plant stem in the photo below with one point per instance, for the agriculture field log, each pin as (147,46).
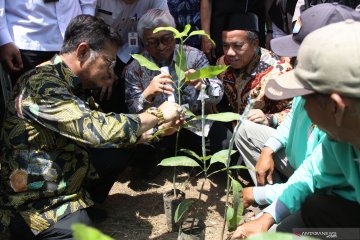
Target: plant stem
(242,119)
(203,126)
(176,150)
(228,178)
(178,88)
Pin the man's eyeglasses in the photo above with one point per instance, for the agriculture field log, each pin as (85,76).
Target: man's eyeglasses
(109,60)
(155,42)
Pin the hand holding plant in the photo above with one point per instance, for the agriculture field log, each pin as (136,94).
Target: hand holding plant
(171,111)
(160,84)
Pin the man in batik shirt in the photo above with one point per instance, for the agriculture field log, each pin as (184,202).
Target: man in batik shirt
(49,126)
(146,88)
(250,68)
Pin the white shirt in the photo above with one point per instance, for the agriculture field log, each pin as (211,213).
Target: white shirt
(124,17)
(38,26)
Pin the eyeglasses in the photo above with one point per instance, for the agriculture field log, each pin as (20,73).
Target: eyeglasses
(109,60)
(155,42)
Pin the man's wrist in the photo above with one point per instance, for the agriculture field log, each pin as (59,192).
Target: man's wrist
(268,220)
(158,113)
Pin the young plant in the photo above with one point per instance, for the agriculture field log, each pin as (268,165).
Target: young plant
(182,79)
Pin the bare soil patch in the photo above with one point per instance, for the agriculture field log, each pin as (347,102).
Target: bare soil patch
(135,206)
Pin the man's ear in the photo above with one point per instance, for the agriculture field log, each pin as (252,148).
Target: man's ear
(82,51)
(338,108)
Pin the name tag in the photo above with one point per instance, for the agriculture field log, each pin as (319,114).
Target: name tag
(133,40)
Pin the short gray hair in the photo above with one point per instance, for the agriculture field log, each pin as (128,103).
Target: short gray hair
(154,18)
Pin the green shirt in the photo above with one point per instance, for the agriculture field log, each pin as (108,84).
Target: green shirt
(49,125)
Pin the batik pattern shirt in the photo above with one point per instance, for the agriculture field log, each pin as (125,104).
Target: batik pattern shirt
(240,85)
(187,12)
(49,125)
(138,78)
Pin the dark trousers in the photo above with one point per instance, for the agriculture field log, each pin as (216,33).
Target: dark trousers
(108,163)
(325,211)
(30,60)
(60,230)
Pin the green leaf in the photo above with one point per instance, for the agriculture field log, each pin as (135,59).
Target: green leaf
(221,156)
(203,33)
(221,117)
(144,62)
(179,161)
(229,215)
(191,153)
(238,207)
(182,208)
(82,232)
(186,30)
(171,29)
(180,63)
(205,158)
(207,72)
(278,236)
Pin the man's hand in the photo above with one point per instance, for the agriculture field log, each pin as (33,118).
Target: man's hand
(106,90)
(208,48)
(248,196)
(11,58)
(159,84)
(196,83)
(169,128)
(265,167)
(261,224)
(257,116)
(171,111)
(269,37)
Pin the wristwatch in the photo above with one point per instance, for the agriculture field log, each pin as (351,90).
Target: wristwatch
(157,113)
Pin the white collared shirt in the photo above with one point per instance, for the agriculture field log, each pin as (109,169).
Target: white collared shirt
(124,17)
(38,26)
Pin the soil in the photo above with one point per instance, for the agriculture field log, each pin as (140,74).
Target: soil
(135,205)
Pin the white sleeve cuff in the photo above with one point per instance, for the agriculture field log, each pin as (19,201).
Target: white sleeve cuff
(273,143)
(277,210)
(5,37)
(259,195)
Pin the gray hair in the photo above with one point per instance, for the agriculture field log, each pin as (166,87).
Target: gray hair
(154,18)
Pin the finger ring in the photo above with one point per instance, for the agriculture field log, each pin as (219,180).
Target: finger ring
(162,86)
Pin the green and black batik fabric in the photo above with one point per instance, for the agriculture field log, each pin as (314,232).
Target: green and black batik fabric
(49,125)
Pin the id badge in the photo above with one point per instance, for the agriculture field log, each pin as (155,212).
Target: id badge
(133,40)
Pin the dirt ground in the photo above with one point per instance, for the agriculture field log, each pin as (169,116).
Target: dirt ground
(135,206)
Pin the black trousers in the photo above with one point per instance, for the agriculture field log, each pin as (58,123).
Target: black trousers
(30,60)
(109,163)
(325,211)
(60,230)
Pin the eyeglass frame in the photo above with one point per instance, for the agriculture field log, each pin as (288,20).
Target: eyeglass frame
(163,39)
(111,63)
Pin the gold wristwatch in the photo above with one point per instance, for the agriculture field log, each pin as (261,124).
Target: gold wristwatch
(157,113)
